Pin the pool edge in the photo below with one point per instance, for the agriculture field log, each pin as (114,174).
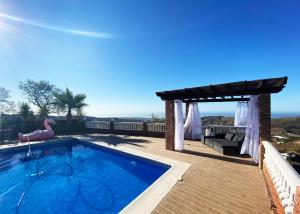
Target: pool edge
(150,198)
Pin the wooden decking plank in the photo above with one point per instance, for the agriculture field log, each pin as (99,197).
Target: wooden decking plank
(191,202)
(218,199)
(228,190)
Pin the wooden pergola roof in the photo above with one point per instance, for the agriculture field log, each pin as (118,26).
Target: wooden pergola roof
(235,91)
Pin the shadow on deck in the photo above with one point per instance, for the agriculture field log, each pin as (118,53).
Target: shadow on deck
(232,159)
(115,140)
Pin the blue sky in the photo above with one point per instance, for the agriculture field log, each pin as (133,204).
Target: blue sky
(121,52)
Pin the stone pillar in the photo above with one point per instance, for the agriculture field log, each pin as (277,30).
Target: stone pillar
(170,125)
(111,125)
(264,123)
(145,127)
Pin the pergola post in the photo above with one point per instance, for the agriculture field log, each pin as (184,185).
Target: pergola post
(264,124)
(170,125)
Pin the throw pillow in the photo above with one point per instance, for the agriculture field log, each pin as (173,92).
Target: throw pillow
(229,136)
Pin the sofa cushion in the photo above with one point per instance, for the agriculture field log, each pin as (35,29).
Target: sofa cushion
(209,132)
(224,146)
(238,138)
(224,142)
(229,136)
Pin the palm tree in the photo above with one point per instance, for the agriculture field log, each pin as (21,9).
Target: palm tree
(25,112)
(67,102)
(26,115)
(43,112)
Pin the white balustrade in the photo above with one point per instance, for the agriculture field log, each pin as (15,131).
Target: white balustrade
(97,124)
(284,176)
(156,127)
(130,126)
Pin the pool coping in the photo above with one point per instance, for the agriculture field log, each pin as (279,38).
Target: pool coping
(150,198)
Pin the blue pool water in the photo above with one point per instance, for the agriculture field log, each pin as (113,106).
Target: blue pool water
(73,178)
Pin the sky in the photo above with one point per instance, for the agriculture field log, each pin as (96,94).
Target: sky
(119,53)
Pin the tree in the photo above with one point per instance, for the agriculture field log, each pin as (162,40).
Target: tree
(67,102)
(6,105)
(25,112)
(40,94)
(10,107)
(4,95)
(157,119)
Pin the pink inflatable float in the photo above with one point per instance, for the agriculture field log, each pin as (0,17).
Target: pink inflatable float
(38,134)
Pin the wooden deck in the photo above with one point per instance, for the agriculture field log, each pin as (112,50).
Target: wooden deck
(213,184)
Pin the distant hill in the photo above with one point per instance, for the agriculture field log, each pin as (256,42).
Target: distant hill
(286,125)
(217,120)
(119,119)
(280,126)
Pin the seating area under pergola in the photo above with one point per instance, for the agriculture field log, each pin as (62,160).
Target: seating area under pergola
(228,92)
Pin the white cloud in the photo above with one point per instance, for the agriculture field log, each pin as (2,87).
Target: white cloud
(99,35)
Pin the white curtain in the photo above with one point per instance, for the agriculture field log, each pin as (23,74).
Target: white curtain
(251,143)
(193,124)
(241,112)
(179,129)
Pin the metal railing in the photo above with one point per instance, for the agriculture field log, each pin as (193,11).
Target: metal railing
(284,177)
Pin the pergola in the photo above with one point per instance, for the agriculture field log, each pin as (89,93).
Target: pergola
(228,92)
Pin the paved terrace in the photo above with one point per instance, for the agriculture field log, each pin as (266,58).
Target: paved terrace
(213,184)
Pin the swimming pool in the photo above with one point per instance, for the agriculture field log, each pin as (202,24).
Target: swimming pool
(74,177)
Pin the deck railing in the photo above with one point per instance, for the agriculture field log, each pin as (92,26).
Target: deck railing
(156,127)
(131,126)
(97,124)
(149,129)
(284,177)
